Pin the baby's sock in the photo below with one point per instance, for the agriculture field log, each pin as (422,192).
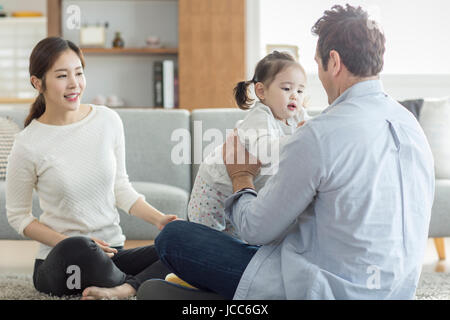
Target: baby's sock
(172,277)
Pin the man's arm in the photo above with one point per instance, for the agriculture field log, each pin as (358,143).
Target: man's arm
(263,218)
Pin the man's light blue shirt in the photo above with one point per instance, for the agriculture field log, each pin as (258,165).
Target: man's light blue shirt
(347,214)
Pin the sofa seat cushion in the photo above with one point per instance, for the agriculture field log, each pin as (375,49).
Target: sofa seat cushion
(165,198)
(6,231)
(434,119)
(151,135)
(440,217)
(8,130)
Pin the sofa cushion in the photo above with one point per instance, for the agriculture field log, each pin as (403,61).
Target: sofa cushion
(16,114)
(149,143)
(440,217)
(210,121)
(165,198)
(6,231)
(147,159)
(434,119)
(414,105)
(8,130)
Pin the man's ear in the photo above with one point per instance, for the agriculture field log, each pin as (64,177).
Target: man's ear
(335,62)
(259,90)
(37,83)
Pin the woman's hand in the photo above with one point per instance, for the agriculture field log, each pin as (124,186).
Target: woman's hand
(105,247)
(142,209)
(165,219)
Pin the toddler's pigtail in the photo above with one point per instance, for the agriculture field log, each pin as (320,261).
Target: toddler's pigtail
(241,95)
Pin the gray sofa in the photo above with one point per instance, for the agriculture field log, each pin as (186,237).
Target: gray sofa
(150,140)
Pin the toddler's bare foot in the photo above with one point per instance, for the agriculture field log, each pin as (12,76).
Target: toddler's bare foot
(119,292)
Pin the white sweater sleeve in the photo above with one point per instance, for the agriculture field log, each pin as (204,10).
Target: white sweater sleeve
(124,192)
(20,181)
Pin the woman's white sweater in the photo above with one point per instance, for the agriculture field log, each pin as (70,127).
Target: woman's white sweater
(78,171)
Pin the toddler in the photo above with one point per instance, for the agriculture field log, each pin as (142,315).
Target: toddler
(279,82)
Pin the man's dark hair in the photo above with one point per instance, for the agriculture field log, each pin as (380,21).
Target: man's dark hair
(358,40)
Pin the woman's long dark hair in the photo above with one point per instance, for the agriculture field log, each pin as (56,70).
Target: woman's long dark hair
(265,71)
(42,58)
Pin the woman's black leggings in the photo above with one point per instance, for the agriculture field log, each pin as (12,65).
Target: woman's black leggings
(78,262)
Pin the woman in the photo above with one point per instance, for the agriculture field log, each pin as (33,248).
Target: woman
(73,155)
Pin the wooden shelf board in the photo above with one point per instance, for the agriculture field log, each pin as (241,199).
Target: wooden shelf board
(15,100)
(130,50)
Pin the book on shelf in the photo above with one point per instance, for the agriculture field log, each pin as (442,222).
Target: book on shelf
(165,84)
(176,88)
(168,85)
(157,84)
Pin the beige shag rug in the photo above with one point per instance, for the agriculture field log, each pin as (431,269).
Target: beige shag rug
(20,287)
(432,286)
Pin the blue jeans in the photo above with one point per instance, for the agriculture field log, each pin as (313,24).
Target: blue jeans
(206,258)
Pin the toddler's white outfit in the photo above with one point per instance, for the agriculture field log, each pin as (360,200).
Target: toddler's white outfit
(262,135)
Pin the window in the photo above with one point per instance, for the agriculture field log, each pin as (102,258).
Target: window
(18,36)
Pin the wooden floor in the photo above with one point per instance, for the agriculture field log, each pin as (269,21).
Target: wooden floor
(431,260)
(18,256)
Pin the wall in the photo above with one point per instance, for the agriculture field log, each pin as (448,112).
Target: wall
(24,5)
(128,76)
(253,38)
(417,45)
(400,87)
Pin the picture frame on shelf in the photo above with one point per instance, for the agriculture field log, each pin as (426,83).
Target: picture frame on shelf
(93,36)
(291,49)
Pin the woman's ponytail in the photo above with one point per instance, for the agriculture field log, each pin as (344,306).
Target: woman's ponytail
(241,95)
(37,109)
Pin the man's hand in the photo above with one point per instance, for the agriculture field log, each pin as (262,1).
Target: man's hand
(301,123)
(241,166)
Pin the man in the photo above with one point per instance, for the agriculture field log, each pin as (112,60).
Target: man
(347,214)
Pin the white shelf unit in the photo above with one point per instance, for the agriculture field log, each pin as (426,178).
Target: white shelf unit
(126,73)
(18,37)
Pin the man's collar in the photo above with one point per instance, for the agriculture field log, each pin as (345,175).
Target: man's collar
(359,89)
